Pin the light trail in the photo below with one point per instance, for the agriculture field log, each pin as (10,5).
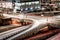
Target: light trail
(38,24)
(13,31)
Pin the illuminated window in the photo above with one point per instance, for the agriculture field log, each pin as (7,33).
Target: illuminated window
(30,3)
(33,2)
(26,3)
(18,4)
(22,3)
(37,2)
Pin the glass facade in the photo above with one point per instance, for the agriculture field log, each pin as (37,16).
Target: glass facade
(24,6)
(30,5)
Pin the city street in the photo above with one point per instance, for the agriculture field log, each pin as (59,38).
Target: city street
(39,23)
(29,19)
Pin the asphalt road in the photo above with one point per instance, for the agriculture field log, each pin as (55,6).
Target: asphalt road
(14,31)
(39,23)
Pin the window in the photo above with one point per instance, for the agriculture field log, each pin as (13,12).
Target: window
(33,2)
(22,3)
(26,3)
(30,3)
(37,2)
(18,4)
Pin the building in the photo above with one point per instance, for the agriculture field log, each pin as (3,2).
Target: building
(28,6)
(6,6)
